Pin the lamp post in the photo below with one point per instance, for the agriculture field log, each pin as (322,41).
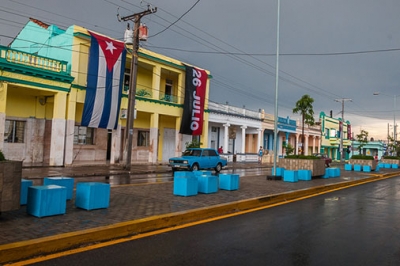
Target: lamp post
(394,112)
(276,91)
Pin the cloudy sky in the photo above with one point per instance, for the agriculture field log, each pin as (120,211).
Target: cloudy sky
(332,50)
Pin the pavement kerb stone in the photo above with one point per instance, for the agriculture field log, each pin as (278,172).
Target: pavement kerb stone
(46,245)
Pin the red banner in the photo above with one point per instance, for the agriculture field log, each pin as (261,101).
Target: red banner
(193,107)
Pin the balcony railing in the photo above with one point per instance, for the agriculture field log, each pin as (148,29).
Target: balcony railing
(168,97)
(32,60)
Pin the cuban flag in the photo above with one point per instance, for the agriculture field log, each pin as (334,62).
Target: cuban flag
(104,82)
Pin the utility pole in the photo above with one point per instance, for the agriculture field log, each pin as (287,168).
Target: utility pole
(132,84)
(341,133)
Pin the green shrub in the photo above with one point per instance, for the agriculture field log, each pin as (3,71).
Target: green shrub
(392,157)
(304,157)
(2,158)
(362,157)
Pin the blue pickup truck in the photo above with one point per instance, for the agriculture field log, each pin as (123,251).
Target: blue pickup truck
(195,159)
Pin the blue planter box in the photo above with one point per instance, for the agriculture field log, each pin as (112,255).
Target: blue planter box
(229,181)
(67,182)
(395,166)
(304,175)
(92,195)
(388,165)
(186,185)
(207,184)
(290,176)
(357,167)
(46,200)
(23,197)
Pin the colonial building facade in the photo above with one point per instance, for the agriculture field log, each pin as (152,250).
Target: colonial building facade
(48,96)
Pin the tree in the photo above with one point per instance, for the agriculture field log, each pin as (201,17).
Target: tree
(362,140)
(194,144)
(305,108)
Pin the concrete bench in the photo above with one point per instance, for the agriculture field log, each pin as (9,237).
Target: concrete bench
(304,174)
(229,181)
(46,200)
(185,184)
(67,182)
(92,195)
(357,167)
(207,183)
(290,176)
(348,167)
(366,168)
(23,196)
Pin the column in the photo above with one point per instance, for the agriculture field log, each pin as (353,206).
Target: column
(3,103)
(319,144)
(226,137)
(305,144)
(313,144)
(58,127)
(243,139)
(180,93)
(297,144)
(70,127)
(153,151)
(116,138)
(178,137)
(260,143)
(156,81)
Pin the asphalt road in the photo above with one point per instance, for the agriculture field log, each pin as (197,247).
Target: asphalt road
(354,226)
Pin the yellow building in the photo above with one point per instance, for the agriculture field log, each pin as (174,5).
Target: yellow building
(159,103)
(331,129)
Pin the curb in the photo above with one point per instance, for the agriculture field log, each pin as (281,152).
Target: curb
(47,245)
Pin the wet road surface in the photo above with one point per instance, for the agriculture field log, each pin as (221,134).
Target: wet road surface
(354,226)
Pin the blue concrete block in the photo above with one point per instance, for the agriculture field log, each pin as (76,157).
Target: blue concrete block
(377,168)
(334,172)
(279,171)
(92,195)
(229,181)
(203,172)
(357,167)
(207,184)
(183,174)
(381,165)
(290,176)
(348,167)
(23,196)
(186,185)
(326,174)
(67,182)
(46,200)
(395,166)
(388,165)
(366,168)
(304,174)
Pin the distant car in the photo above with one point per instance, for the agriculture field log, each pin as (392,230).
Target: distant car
(195,159)
(328,160)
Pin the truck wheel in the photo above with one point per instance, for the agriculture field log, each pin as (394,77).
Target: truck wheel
(195,167)
(218,168)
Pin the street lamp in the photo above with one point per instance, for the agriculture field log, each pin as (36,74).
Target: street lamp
(394,112)
(276,91)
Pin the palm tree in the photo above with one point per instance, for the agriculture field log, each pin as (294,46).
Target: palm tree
(305,108)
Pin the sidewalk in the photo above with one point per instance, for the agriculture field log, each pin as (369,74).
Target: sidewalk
(138,208)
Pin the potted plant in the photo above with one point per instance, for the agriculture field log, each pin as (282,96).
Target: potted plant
(10,184)
(361,158)
(300,162)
